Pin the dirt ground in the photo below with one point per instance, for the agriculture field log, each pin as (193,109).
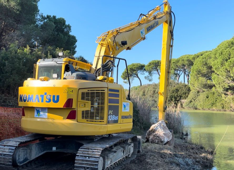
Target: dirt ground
(183,156)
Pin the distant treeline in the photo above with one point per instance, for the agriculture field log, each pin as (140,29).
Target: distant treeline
(149,93)
(180,69)
(210,75)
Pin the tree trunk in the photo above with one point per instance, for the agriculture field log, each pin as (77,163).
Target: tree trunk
(187,75)
(158,73)
(178,78)
(184,76)
(139,80)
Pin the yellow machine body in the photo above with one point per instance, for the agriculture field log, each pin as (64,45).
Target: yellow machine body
(100,108)
(71,106)
(56,104)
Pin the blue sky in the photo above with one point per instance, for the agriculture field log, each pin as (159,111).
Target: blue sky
(200,25)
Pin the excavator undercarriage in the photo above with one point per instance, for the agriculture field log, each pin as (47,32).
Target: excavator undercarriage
(96,153)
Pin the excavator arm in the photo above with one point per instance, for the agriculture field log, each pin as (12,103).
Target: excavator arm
(112,42)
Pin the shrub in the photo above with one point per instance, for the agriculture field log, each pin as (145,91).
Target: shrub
(141,115)
(174,120)
(177,93)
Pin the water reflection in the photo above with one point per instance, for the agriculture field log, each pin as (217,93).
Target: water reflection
(213,130)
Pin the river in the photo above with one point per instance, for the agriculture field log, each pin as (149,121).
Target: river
(213,130)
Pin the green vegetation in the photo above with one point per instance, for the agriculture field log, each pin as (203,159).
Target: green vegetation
(18,22)
(133,70)
(26,36)
(145,98)
(212,79)
(177,93)
(149,93)
(141,115)
(174,120)
(22,24)
(210,76)
(56,33)
(153,67)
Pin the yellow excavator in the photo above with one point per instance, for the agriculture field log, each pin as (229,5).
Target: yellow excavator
(74,107)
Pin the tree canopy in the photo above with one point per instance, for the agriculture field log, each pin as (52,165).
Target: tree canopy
(212,79)
(55,32)
(176,69)
(18,22)
(16,65)
(22,25)
(26,36)
(153,67)
(177,93)
(133,70)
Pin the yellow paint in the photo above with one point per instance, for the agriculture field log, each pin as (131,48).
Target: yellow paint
(110,80)
(109,43)
(105,79)
(44,78)
(91,99)
(43,92)
(57,123)
(164,71)
(101,78)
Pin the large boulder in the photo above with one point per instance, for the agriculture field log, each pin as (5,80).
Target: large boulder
(158,133)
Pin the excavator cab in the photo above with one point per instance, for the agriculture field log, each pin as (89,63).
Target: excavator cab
(59,68)
(53,71)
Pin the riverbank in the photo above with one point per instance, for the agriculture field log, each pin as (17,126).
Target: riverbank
(182,156)
(216,111)
(192,110)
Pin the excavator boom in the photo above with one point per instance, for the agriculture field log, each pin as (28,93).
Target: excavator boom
(112,42)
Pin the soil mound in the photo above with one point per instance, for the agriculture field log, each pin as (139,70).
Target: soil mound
(182,156)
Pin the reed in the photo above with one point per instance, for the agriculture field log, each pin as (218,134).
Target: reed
(174,120)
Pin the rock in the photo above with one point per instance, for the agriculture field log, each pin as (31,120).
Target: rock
(158,133)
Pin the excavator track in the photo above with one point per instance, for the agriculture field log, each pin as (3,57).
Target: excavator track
(96,155)
(8,146)
(103,154)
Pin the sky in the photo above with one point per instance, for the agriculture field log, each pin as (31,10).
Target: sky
(201,25)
